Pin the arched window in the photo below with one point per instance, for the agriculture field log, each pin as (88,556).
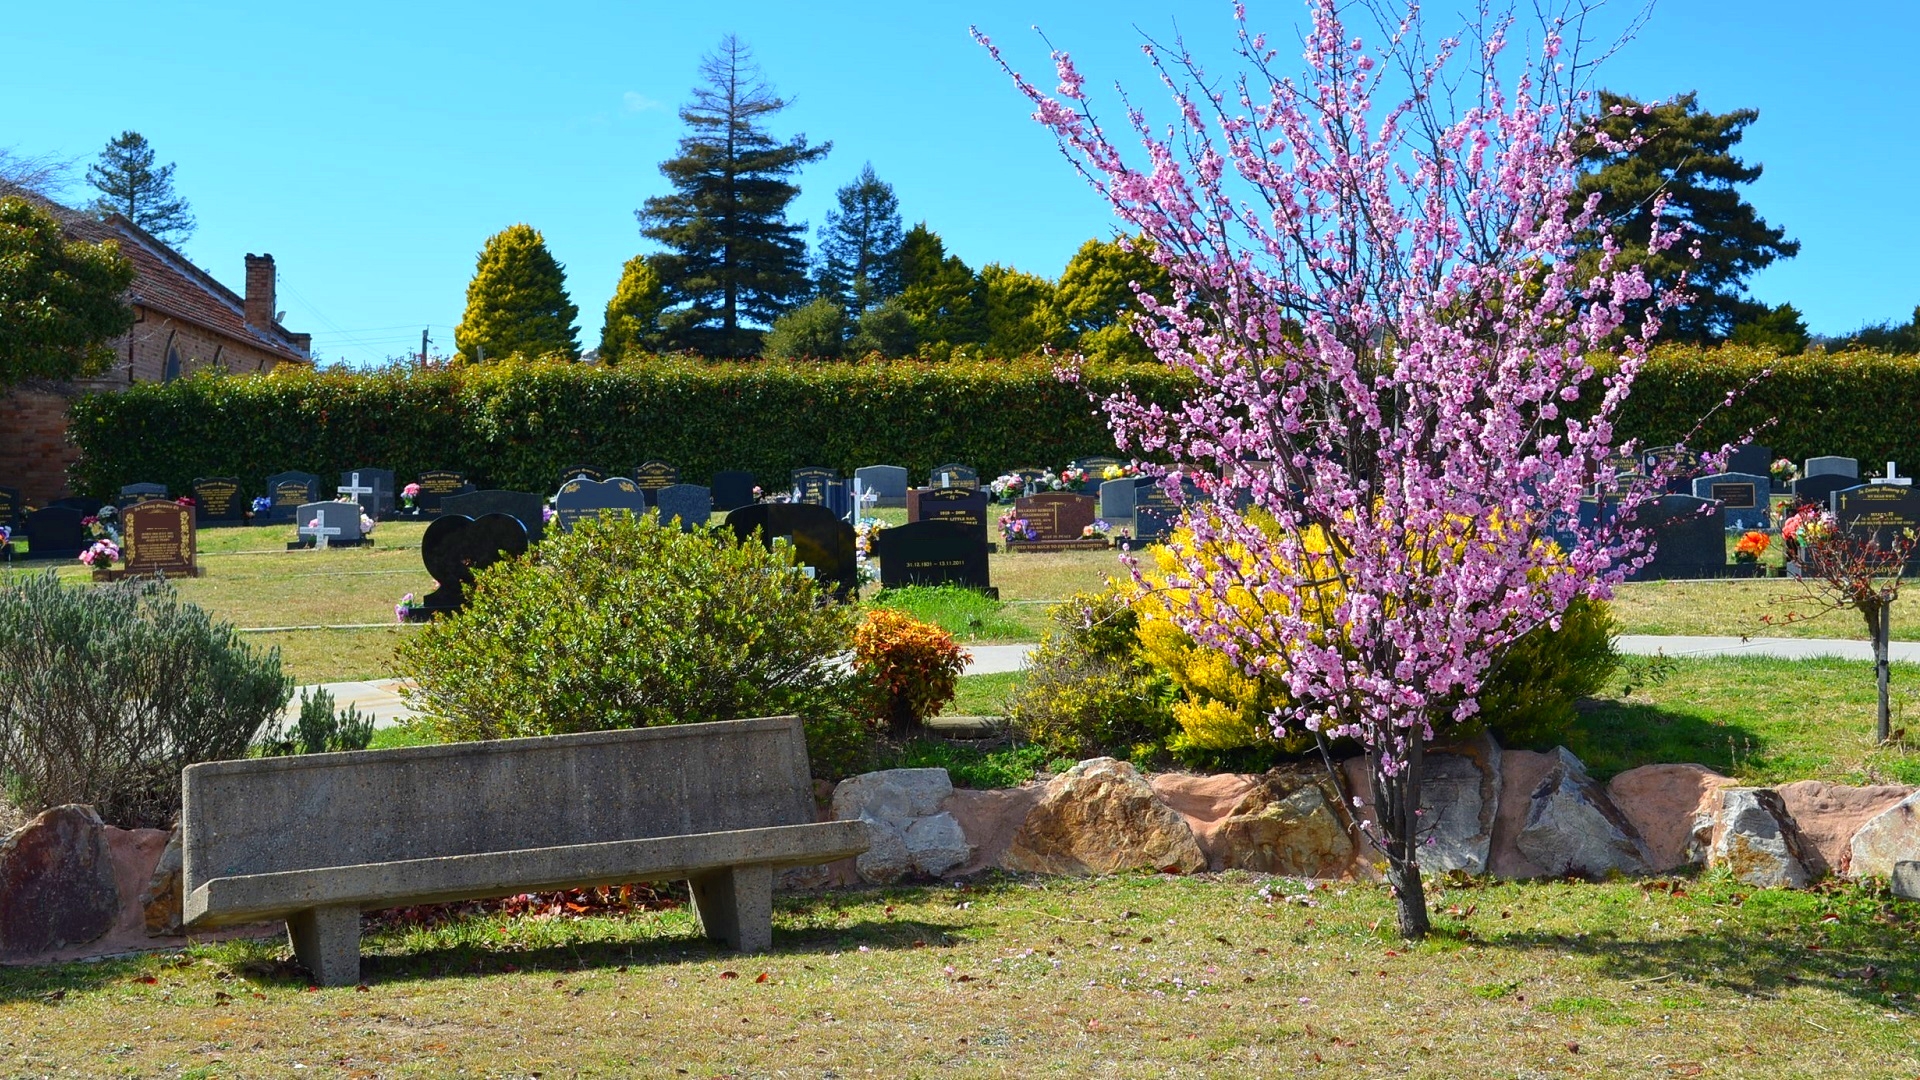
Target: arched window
(173,365)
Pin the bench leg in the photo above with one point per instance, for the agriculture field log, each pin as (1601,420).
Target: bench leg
(326,941)
(735,905)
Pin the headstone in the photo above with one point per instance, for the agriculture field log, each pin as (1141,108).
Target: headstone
(1117,498)
(1685,463)
(1892,476)
(1818,490)
(371,488)
(1094,466)
(436,485)
(580,497)
(692,504)
(329,524)
(219,500)
(158,538)
(812,481)
(1617,471)
(55,532)
(591,472)
(820,540)
(525,507)
(1743,498)
(1030,478)
(932,553)
(1752,458)
(12,506)
(655,475)
(139,493)
(732,488)
(1155,514)
(86,504)
(1879,511)
(454,547)
(887,482)
(1687,543)
(288,492)
(1056,516)
(839,498)
(956,505)
(954,474)
(1827,466)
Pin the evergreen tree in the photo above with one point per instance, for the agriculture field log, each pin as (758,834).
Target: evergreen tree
(940,294)
(886,330)
(517,302)
(130,185)
(1096,301)
(733,261)
(1687,155)
(1019,312)
(632,328)
(815,331)
(860,245)
(60,300)
(1780,328)
(1890,337)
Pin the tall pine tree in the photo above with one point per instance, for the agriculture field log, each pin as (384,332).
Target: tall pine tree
(733,261)
(517,302)
(860,245)
(131,186)
(1687,155)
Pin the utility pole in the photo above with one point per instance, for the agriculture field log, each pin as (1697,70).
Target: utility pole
(423,348)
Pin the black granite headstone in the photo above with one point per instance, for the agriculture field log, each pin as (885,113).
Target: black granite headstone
(1818,490)
(86,504)
(1751,458)
(219,500)
(954,474)
(1685,463)
(139,493)
(438,484)
(371,488)
(956,505)
(690,504)
(932,553)
(1882,512)
(580,497)
(1094,466)
(812,481)
(1155,514)
(820,540)
(732,488)
(655,475)
(1687,543)
(288,492)
(12,506)
(454,547)
(55,532)
(523,506)
(591,472)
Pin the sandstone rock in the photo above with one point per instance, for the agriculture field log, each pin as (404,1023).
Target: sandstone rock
(1906,879)
(936,844)
(886,859)
(1672,807)
(1101,817)
(1890,837)
(896,796)
(160,901)
(989,820)
(1828,815)
(56,883)
(1754,838)
(1205,801)
(1459,799)
(1287,824)
(1520,772)
(1573,828)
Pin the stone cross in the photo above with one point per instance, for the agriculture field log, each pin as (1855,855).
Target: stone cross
(1893,477)
(353,491)
(859,491)
(319,532)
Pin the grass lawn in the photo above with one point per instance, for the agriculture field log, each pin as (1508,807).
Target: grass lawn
(1128,976)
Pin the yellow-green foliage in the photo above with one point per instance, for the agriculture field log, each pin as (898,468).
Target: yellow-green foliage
(517,301)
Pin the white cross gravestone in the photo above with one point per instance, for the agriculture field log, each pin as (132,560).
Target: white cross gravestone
(352,490)
(1893,477)
(331,523)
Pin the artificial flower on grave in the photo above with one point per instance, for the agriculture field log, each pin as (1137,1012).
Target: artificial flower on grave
(547,514)
(410,496)
(366,525)
(865,570)
(1015,528)
(102,555)
(103,526)
(1751,546)
(1785,471)
(1116,472)
(1073,477)
(184,500)
(261,505)
(1051,481)
(1101,529)
(6,537)
(1007,487)
(403,610)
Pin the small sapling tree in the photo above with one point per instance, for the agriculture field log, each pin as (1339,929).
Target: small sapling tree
(1399,400)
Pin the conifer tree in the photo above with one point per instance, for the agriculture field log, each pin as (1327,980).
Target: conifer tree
(733,261)
(1095,297)
(60,300)
(130,185)
(517,302)
(860,245)
(940,294)
(632,328)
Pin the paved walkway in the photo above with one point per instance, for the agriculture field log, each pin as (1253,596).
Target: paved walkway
(383,697)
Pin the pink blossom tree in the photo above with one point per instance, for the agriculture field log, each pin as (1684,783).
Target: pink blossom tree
(1397,359)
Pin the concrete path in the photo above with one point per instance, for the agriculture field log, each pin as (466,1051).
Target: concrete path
(383,697)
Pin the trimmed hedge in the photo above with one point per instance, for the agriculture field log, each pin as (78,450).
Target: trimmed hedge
(517,425)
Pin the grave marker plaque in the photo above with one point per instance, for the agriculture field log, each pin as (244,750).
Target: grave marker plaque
(690,504)
(1880,512)
(581,497)
(525,507)
(954,474)
(55,532)
(820,540)
(888,483)
(158,538)
(933,553)
(732,488)
(288,492)
(812,480)
(1743,497)
(436,485)
(219,500)
(12,506)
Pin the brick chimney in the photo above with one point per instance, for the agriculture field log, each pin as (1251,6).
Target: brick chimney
(259,303)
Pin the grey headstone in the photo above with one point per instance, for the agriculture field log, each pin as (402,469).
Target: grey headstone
(1117,498)
(691,504)
(581,497)
(889,482)
(339,523)
(526,507)
(1825,466)
(1687,543)
(1818,490)
(1743,498)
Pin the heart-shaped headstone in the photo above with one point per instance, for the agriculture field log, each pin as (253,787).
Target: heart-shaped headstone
(455,546)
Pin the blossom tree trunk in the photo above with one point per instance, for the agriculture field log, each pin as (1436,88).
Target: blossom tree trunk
(1386,292)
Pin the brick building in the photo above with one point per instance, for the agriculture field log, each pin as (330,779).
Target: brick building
(184,321)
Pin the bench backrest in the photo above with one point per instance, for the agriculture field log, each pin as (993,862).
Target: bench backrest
(267,815)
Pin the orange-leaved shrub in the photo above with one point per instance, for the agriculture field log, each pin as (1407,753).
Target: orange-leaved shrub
(917,663)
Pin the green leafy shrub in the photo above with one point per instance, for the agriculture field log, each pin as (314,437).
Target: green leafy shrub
(1089,691)
(625,623)
(321,730)
(1528,698)
(107,692)
(972,766)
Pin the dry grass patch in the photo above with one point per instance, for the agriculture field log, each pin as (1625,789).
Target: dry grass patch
(1739,607)
(1139,976)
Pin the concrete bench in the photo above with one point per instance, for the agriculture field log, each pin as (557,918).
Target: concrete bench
(318,839)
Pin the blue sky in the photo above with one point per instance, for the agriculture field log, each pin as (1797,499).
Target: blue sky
(372,147)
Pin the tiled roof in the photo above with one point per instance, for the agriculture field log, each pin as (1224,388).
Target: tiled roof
(166,282)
